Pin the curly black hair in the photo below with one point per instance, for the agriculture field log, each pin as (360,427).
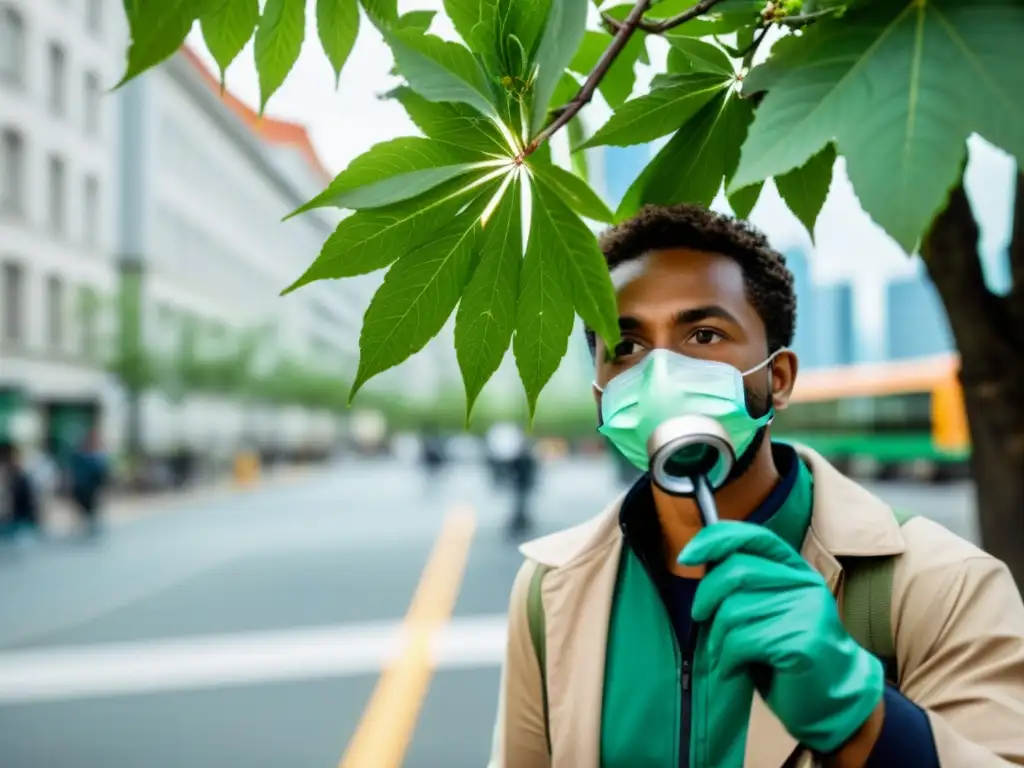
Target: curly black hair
(768,281)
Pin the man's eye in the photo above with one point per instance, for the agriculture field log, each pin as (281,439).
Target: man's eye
(705,336)
(625,348)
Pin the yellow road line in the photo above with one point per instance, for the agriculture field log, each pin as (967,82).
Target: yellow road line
(382,736)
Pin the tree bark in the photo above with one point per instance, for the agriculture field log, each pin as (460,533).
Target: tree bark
(989,333)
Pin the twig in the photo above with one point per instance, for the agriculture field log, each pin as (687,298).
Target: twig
(564,114)
(747,54)
(660,27)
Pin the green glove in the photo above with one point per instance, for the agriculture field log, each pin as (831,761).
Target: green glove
(767,606)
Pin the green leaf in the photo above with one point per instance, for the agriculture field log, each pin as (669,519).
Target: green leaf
(700,56)
(617,85)
(566,23)
(804,189)
(765,75)
(692,166)
(544,317)
(454,123)
(593,296)
(420,20)
(742,201)
(158,30)
(382,13)
(659,112)
(479,24)
(227,27)
(279,37)
(393,171)
(337,23)
(370,240)
(487,313)
(898,87)
(418,294)
(439,70)
(573,190)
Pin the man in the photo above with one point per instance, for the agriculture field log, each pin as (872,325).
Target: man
(623,650)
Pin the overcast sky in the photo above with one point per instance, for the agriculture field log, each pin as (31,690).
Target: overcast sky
(345,122)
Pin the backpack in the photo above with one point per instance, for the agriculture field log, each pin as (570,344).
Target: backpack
(867,611)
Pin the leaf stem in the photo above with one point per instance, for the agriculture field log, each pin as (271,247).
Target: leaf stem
(566,113)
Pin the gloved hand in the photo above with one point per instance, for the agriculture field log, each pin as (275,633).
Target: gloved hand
(767,606)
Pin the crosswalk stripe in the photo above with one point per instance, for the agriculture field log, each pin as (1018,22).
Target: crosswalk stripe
(240,659)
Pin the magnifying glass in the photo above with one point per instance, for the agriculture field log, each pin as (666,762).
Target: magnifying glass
(692,456)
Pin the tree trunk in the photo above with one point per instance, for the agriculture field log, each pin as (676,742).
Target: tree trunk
(989,333)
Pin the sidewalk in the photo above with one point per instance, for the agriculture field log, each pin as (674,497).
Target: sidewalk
(124,507)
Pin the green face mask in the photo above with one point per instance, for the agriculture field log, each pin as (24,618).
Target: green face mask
(667,384)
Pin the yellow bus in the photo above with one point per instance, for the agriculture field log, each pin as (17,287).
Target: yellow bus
(894,417)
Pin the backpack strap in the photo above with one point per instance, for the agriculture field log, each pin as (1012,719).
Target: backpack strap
(867,604)
(535,618)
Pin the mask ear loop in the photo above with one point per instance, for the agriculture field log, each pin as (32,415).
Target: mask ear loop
(767,362)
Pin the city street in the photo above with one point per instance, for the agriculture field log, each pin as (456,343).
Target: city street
(250,629)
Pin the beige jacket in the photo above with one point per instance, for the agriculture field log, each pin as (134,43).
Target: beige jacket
(958,622)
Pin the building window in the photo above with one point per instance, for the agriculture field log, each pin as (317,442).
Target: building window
(94,17)
(88,321)
(55,312)
(12,173)
(91,105)
(13,303)
(58,93)
(91,212)
(56,193)
(12,47)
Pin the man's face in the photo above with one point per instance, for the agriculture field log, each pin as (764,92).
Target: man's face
(694,303)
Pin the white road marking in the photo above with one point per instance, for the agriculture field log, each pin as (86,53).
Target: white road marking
(260,657)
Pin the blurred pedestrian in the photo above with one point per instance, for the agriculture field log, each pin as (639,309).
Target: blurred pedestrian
(90,470)
(523,477)
(504,442)
(433,455)
(23,523)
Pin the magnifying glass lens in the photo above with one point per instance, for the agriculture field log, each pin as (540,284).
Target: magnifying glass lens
(690,460)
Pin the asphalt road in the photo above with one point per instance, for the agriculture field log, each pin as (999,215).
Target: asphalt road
(250,630)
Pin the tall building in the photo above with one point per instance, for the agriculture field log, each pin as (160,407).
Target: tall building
(803,339)
(835,335)
(186,186)
(916,323)
(58,138)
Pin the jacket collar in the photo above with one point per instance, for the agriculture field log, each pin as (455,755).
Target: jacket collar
(847,521)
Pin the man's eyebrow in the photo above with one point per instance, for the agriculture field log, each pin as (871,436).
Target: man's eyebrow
(695,315)
(629,323)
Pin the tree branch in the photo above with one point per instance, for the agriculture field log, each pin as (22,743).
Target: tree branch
(660,27)
(747,54)
(564,114)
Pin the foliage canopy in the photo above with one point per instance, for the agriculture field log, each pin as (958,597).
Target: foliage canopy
(475,218)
